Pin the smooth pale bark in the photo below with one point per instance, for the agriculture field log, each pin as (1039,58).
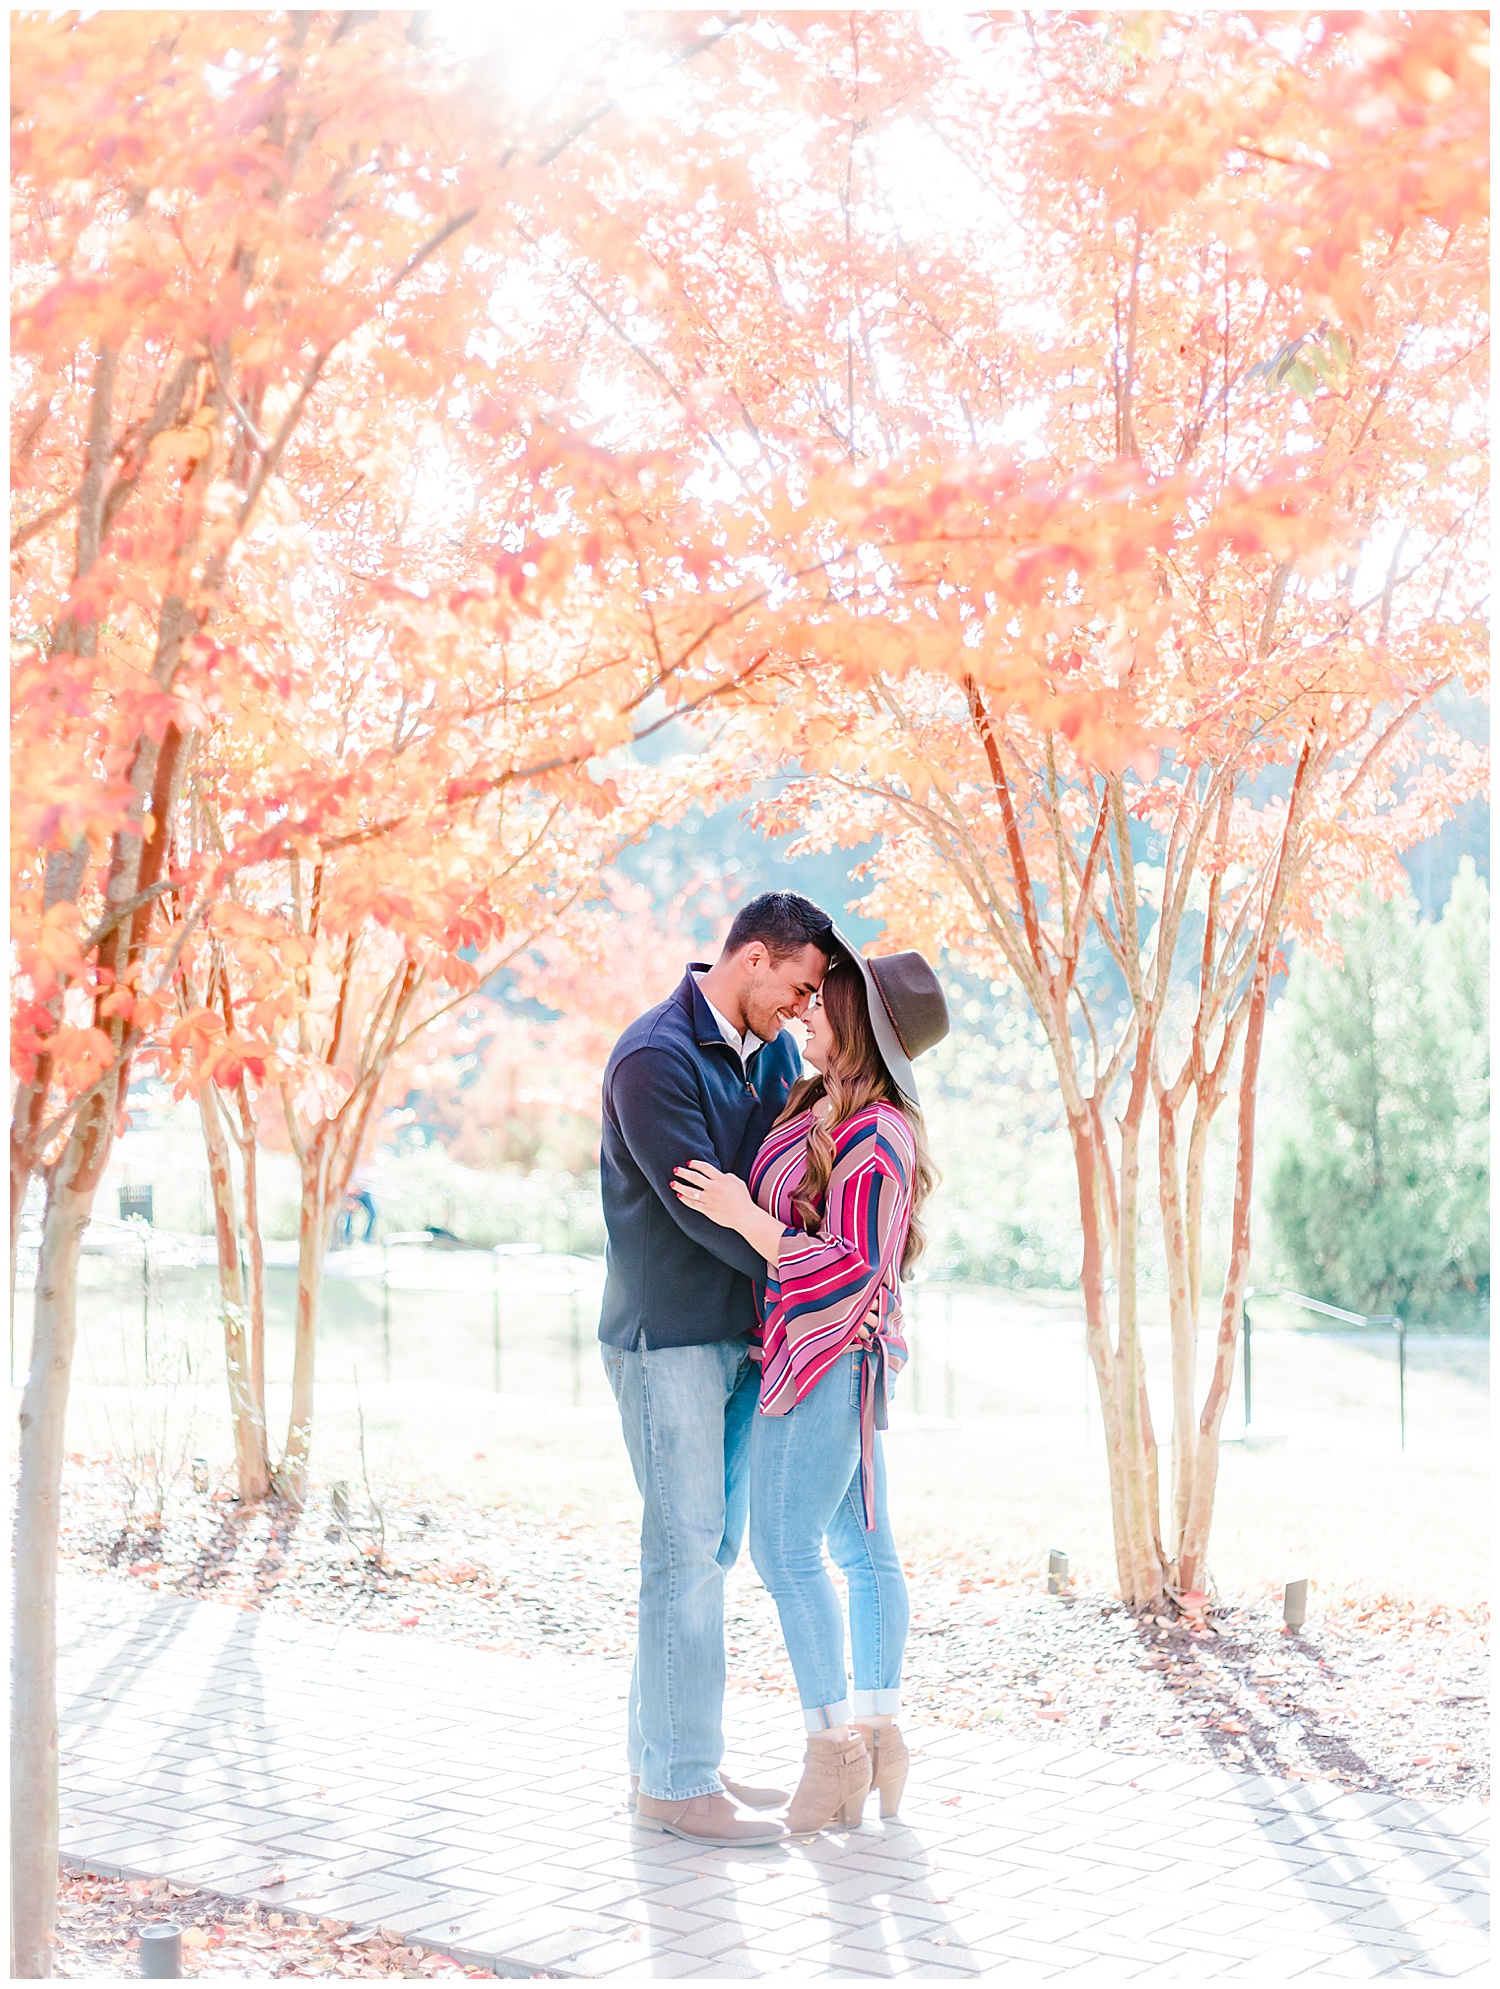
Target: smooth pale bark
(26,1122)
(1138,1453)
(312,1238)
(1197,1172)
(1206,1478)
(255,1249)
(1183,1320)
(73,1182)
(327,1163)
(1096,1314)
(246,1411)
(43,1429)
(1118,1377)
(327,1169)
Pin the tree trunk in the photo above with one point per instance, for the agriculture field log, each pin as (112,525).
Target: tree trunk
(1194,1567)
(26,1123)
(1138,1440)
(1120,1393)
(312,1245)
(255,1251)
(1184,1325)
(73,1183)
(252,1467)
(44,1409)
(1204,1110)
(1206,1482)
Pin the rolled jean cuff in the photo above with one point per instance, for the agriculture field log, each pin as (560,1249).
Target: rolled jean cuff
(818,1719)
(715,1788)
(877,1702)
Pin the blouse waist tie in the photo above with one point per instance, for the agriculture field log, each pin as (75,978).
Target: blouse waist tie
(873,1416)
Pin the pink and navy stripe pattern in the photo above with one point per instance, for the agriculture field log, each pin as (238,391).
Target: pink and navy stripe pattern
(817,1299)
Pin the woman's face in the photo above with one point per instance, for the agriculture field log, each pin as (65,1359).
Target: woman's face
(819,1045)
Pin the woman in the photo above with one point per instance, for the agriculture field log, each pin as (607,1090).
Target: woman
(832,1205)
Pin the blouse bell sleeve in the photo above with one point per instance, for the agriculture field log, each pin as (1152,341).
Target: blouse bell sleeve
(819,1294)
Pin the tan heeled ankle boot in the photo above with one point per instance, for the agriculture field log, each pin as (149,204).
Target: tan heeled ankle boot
(835,1782)
(889,1760)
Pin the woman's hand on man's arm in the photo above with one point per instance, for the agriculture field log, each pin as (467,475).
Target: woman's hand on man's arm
(725,1199)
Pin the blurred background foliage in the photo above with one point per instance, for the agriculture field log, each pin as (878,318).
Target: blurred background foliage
(1373,1181)
(1378,1191)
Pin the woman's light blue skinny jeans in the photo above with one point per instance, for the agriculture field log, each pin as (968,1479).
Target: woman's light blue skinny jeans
(804,1488)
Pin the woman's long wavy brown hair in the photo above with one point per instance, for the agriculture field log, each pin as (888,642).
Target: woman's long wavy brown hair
(856,1076)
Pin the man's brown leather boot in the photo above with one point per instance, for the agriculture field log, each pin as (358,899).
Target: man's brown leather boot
(737,1792)
(705,1820)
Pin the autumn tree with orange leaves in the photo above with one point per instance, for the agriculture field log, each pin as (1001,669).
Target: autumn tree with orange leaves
(255,261)
(1063,435)
(334,600)
(331,960)
(1148,452)
(189,264)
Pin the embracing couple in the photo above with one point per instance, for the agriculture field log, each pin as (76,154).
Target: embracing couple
(759,1223)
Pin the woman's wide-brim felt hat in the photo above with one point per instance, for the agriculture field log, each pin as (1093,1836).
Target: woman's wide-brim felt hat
(908,1009)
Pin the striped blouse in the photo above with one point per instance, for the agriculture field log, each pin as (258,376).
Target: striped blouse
(817,1298)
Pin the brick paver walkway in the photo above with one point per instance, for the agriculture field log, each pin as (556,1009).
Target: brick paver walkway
(473,1801)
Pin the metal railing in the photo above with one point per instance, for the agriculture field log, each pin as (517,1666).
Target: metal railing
(519,1316)
(497,1254)
(1299,1298)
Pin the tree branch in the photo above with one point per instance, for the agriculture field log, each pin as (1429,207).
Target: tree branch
(1016,852)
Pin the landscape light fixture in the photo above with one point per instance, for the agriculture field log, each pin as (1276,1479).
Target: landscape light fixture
(161,1950)
(1294,1605)
(1057,1572)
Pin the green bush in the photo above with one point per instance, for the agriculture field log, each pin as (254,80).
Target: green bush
(1379,1193)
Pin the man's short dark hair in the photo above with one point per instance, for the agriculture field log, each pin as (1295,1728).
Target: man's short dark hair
(784,923)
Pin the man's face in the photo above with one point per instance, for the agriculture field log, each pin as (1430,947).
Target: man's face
(773,991)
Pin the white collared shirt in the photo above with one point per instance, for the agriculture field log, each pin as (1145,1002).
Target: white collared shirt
(745,1046)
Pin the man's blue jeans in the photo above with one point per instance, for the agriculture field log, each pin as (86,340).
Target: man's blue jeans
(686,1413)
(804,1488)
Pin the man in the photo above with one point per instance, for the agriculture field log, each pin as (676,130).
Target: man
(701,1076)
(357,1196)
